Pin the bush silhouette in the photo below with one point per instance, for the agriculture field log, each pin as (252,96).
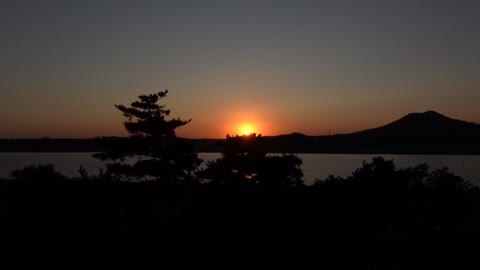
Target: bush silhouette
(39,174)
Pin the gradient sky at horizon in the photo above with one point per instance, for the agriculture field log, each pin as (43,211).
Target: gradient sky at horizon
(273,67)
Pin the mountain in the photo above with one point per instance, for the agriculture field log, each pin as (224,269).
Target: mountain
(416,133)
(428,124)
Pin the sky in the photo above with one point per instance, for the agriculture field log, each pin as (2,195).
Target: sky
(273,67)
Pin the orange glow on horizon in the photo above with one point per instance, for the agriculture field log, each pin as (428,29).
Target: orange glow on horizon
(239,121)
(246,129)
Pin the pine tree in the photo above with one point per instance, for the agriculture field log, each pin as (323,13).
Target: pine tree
(152,151)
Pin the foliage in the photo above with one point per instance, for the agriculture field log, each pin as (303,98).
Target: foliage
(443,179)
(37,174)
(244,161)
(152,151)
(381,174)
(380,217)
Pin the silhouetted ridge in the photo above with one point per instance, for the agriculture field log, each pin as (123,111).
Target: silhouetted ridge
(427,116)
(416,133)
(293,135)
(428,124)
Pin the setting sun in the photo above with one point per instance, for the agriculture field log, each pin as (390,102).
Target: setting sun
(241,122)
(246,129)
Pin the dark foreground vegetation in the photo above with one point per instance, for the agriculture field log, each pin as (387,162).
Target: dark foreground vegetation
(154,206)
(379,218)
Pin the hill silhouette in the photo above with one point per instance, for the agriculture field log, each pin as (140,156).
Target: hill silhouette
(428,132)
(416,133)
(427,124)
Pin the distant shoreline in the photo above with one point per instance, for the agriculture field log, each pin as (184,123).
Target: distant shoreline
(307,145)
(428,133)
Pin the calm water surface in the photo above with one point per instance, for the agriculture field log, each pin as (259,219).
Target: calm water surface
(315,166)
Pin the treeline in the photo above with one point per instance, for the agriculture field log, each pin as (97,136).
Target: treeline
(381,217)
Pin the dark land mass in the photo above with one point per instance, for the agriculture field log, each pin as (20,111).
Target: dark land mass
(416,133)
(51,145)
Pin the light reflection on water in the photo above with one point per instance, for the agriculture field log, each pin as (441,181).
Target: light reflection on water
(315,166)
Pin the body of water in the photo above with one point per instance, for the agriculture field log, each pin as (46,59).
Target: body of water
(315,166)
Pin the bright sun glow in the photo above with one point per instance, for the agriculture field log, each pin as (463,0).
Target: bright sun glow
(246,128)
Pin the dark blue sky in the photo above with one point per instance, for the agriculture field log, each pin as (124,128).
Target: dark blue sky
(270,66)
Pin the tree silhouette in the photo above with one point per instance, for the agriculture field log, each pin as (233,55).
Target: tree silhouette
(152,151)
(244,161)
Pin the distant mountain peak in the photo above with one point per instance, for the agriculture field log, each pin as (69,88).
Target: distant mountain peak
(434,113)
(427,114)
(424,117)
(429,123)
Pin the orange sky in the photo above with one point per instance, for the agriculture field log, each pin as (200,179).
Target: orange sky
(315,67)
